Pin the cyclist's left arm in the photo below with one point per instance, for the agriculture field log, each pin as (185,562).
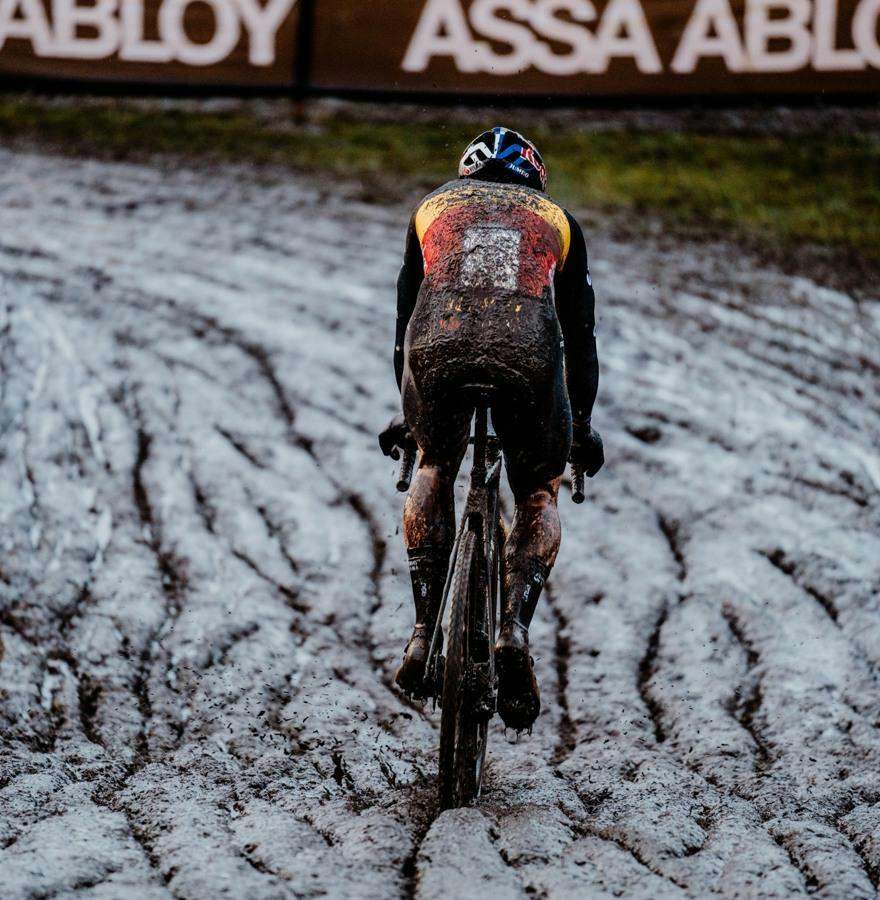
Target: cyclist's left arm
(412,273)
(575,306)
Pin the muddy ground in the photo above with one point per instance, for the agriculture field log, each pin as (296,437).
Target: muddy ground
(203,594)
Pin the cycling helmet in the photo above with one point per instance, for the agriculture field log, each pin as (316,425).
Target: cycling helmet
(504,155)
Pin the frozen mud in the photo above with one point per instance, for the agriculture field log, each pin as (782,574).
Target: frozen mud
(203,594)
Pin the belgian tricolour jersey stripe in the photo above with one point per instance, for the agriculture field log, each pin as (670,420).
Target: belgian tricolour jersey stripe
(497,202)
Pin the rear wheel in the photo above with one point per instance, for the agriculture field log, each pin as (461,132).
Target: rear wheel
(462,730)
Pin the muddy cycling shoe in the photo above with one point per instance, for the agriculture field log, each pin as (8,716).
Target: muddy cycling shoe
(410,677)
(519,700)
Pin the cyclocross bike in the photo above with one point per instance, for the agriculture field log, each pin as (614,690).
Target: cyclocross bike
(464,678)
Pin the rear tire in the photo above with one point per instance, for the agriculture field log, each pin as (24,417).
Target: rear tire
(461,752)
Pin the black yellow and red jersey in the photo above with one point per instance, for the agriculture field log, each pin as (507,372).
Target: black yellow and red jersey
(478,244)
(473,233)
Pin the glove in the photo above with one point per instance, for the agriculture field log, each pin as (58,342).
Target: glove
(586,448)
(396,435)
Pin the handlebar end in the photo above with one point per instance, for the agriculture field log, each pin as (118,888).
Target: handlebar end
(406,469)
(577,484)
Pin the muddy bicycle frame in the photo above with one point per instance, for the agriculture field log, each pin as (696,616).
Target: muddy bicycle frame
(481,508)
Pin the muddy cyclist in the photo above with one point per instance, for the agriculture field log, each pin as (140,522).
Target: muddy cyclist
(494,293)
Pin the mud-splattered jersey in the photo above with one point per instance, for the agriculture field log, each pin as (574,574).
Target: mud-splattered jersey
(475,243)
(476,236)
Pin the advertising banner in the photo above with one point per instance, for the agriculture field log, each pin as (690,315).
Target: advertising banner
(202,42)
(565,48)
(600,47)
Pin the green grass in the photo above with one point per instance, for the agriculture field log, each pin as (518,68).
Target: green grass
(822,190)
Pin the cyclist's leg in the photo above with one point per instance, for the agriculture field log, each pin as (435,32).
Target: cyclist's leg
(441,431)
(530,552)
(536,437)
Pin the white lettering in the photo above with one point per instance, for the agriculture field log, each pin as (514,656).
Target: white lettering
(484,20)
(710,31)
(623,31)
(221,44)
(118,26)
(544,21)
(500,37)
(262,24)
(134,48)
(826,56)
(32,26)
(792,29)
(68,16)
(443,31)
(864,30)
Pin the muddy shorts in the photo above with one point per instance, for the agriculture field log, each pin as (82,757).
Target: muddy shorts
(514,350)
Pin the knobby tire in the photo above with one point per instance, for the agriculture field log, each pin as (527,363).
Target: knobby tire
(458,724)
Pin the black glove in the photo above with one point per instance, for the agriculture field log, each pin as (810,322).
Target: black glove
(586,448)
(395,435)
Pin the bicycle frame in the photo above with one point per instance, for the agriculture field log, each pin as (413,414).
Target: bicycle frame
(480,515)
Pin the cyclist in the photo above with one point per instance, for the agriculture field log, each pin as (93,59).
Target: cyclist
(494,291)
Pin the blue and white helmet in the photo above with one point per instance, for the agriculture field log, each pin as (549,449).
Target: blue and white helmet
(504,155)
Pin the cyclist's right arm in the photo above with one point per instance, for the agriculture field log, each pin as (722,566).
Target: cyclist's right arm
(412,273)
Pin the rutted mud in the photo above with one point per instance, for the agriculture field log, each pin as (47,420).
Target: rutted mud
(203,592)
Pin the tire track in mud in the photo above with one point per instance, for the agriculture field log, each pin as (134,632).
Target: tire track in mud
(567,729)
(745,709)
(286,408)
(344,495)
(218,676)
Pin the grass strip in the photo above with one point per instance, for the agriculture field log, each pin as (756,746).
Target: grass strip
(822,189)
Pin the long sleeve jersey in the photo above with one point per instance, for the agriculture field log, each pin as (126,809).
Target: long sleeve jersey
(550,253)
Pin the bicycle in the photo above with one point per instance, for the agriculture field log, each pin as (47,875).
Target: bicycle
(464,679)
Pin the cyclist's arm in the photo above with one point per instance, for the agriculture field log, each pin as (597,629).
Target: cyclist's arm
(575,306)
(412,272)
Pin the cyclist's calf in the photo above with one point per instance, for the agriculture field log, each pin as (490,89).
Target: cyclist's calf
(429,528)
(429,511)
(530,551)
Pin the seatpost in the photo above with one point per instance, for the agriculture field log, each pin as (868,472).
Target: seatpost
(478,470)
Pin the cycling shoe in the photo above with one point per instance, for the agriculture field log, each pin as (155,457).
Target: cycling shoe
(410,677)
(519,700)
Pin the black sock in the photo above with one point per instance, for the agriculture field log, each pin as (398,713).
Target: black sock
(524,584)
(427,571)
